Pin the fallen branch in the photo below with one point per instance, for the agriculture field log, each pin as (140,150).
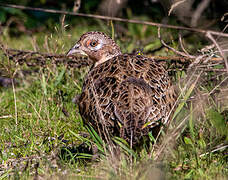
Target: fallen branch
(34,58)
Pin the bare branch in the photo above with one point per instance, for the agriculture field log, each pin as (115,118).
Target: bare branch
(218,148)
(115,19)
(200,8)
(169,47)
(175,5)
(208,34)
(182,46)
(223,17)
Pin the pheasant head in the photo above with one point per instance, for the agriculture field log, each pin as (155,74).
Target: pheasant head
(97,46)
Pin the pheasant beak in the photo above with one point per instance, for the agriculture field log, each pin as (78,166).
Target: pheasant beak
(76,50)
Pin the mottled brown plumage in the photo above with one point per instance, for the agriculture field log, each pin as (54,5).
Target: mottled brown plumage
(123,95)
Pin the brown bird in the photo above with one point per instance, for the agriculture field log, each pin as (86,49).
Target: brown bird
(123,95)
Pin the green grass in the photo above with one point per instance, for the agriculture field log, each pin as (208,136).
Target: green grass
(40,126)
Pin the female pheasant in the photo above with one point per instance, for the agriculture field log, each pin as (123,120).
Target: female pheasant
(123,95)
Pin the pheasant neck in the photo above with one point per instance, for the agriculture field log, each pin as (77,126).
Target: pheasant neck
(106,58)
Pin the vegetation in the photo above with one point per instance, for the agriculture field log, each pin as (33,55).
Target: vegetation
(42,134)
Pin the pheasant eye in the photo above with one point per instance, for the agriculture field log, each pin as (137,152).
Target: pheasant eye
(93,43)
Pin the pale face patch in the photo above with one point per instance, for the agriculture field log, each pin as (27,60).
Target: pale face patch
(99,46)
(94,44)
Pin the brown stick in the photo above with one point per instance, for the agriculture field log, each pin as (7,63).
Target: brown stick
(115,19)
(218,47)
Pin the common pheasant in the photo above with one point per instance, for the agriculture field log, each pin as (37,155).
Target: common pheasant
(123,95)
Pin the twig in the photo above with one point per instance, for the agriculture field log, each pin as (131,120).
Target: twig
(200,8)
(218,85)
(225,28)
(196,61)
(215,150)
(169,47)
(223,17)
(208,34)
(175,5)
(182,46)
(115,19)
